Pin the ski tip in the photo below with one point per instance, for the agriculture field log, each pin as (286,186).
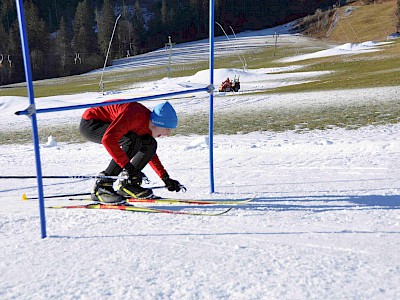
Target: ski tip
(24,197)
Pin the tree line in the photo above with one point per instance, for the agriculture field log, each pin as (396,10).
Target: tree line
(72,37)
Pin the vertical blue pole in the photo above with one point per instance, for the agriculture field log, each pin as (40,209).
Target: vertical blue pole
(35,134)
(211,115)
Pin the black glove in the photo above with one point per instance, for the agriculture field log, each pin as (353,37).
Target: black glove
(132,173)
(172,185)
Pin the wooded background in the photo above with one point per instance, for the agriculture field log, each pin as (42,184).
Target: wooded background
(69,37)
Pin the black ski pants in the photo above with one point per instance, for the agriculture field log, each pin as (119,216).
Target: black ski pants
(140,149)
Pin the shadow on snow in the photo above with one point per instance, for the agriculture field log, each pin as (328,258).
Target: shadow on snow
(321,203)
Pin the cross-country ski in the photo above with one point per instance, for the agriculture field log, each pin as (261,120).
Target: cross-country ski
(131,208)
(161,200)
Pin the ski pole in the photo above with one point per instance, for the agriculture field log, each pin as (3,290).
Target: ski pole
(25,197)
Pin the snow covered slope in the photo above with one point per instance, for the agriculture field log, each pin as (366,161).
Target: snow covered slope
(325,223)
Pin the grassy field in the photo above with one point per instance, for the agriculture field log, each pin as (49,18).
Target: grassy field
(365,23)
(299,120)
(377,69)
(374,69)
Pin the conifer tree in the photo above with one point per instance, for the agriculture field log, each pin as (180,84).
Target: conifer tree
(155,31)
(84,40)
(164,15)
(105,25)
(4,68)
(124,32)
(63,48)
(138,34)
(8,13)
(3,37)
(39,42)
(16,71)
(219,11)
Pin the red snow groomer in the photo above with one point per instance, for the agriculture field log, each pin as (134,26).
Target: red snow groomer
(230,85)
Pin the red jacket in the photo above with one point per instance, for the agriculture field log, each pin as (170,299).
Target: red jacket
(123,118)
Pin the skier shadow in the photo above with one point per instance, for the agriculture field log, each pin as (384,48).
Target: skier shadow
(327,203)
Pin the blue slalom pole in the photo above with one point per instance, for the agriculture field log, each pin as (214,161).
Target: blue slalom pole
(121,101)
(32,110)
(211,113)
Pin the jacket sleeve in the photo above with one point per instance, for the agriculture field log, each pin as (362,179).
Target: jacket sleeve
(157,166)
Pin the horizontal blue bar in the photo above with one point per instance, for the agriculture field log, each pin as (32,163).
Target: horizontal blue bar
(166,95)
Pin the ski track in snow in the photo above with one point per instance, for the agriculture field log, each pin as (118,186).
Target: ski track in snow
(325,223)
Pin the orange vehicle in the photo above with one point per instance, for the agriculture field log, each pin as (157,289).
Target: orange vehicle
(230,85)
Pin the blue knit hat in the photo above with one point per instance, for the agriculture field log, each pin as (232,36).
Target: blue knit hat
(164,115)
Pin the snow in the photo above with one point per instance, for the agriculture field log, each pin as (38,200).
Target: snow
(348,48)
(51,142)
(325,223)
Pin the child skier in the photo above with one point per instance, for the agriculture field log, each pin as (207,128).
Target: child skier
(128,133)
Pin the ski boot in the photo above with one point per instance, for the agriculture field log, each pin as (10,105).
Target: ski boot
(103,191)
(131,187)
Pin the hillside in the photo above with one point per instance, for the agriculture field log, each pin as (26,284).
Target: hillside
(72,37)
(359,23)
(353,23)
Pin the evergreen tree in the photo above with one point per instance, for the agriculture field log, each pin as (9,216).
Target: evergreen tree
(164,15)
(251,16)
(84,40)
(174,17)
(4,66)
(105,25)
(37,32)
(8,13)
(39,41)
(63,49)
(169,16)
(16,70)
(138,33)
(218,13)
(193,12)
(3,37)
(155,31)
(123,35)
(185,27)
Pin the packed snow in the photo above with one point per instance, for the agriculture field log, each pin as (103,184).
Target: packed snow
(325,222)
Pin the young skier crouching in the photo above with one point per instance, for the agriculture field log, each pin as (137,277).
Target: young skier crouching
(128,132)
